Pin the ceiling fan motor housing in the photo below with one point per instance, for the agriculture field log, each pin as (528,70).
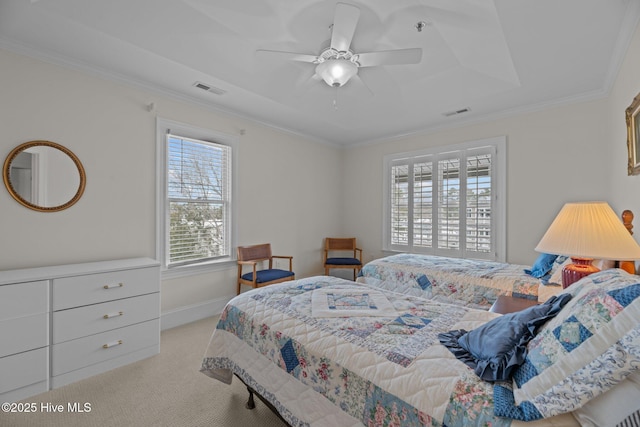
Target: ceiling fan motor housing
(336,68)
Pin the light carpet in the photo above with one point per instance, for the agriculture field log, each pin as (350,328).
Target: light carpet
(164,390)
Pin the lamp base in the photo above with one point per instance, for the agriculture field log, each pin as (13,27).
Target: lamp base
(580,268)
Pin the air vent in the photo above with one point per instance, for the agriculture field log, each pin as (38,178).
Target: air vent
(456,112)
(209,88)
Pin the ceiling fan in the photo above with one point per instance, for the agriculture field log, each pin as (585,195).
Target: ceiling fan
(337,64)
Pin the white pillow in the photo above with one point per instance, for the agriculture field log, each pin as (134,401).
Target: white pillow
(602,264)
(613,406)
(556,277)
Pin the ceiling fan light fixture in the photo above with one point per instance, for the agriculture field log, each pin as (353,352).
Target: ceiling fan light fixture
(337,72)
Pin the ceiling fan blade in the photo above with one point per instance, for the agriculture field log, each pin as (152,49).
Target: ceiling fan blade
(345,20)
(291,56)
(358,82)
(307,78)
(390,57)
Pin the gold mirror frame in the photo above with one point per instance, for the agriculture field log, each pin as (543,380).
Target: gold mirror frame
(633,136)
(6,176)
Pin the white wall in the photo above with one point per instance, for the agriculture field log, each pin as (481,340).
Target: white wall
(625,190)
(284,198)
(553,156)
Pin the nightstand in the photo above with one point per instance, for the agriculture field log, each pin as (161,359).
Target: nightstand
(508,304)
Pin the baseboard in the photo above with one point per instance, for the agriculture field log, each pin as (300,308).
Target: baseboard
(24,392)
(191,313)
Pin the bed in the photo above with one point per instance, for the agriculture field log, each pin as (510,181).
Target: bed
(471,282)
(324,351)
(474,283)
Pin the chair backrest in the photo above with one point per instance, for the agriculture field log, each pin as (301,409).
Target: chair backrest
(255,252)
(340,243)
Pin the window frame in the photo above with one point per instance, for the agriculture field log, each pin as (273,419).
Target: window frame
(163,127)
(498,187)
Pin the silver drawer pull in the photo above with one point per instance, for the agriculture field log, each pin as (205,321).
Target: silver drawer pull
(116,285)
(110,315)
(112,344)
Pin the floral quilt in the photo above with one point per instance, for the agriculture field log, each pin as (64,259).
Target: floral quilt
(355,370)
(468,282)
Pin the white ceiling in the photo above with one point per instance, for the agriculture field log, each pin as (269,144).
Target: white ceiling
(495,57)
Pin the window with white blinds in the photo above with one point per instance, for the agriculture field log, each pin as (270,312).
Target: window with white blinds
(197,213)
(198,192)
(447,201)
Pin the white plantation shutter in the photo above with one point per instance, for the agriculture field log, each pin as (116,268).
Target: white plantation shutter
(448,203)
(444,203)
(479,202)
(422,228)
(198,194)
(399,204)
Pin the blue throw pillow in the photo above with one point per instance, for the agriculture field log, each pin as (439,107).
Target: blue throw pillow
(542,266)
(496,349)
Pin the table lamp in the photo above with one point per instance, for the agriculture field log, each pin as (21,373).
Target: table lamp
(587,231)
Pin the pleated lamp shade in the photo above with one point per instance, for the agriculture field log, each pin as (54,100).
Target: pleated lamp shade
(587,231)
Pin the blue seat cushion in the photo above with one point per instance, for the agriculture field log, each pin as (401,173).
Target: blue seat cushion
(264,276)
(343,261)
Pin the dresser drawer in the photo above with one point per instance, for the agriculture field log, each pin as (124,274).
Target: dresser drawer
(21,370)
(81,352)
(24,299)
(88,289)
(24,333)
(96,318)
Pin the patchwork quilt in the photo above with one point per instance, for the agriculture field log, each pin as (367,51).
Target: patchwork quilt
(378,363)
(468,282)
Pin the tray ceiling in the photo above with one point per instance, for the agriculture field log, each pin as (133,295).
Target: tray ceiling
(492,58)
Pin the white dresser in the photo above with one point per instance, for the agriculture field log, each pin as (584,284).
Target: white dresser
(24,339)
(64,323)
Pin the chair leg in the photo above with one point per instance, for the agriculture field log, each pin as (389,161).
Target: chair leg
(238,292)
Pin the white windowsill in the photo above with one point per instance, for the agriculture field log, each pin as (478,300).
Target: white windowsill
(196,269)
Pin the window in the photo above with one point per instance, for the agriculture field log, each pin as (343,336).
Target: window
(447,201)
(196,209)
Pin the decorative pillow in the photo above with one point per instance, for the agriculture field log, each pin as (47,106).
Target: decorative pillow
(497,348)
(590,346)
(556,271)
(611,408)
(604,264)
(542,266)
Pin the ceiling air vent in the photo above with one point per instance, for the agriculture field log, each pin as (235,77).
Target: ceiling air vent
(209,88)
(456,112)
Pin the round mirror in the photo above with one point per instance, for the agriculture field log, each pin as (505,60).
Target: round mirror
(44,176)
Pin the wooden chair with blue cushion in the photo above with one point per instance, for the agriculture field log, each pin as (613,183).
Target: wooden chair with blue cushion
(342,246)
(256,257)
